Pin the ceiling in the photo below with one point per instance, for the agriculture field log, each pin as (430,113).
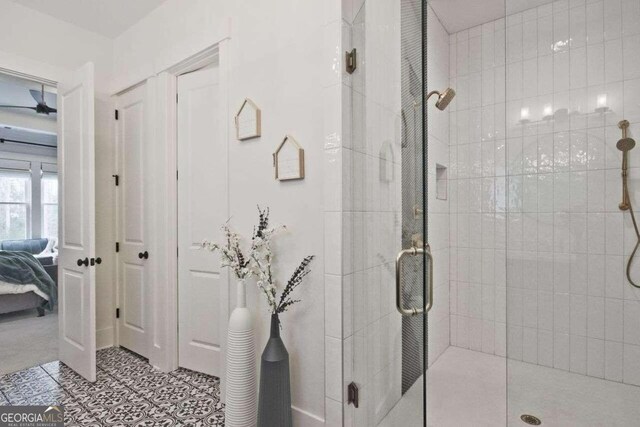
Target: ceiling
(109,18)
(457,15)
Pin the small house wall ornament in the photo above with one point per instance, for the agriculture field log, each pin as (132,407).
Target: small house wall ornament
(288,160)
(248,121)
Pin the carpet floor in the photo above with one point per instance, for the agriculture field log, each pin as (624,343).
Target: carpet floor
(27,340)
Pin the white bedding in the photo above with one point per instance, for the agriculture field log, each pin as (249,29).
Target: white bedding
(10,288)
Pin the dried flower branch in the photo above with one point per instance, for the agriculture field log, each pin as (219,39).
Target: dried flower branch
(259,261)
(231,254)
(296,279)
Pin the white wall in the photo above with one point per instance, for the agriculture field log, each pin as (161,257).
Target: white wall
(168,34)
(57,45)
(42,46)
(276,57)
(568,305)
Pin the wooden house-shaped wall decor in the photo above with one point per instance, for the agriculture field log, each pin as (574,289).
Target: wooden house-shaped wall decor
(288,160)
(248,121)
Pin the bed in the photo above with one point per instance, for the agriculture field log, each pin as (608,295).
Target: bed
(28,276)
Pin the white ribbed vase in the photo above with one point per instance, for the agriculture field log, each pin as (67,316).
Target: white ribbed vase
(241,406)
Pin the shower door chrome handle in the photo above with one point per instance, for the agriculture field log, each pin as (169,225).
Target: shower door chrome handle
(413,311)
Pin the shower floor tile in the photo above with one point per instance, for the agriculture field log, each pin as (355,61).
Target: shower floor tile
(469,389)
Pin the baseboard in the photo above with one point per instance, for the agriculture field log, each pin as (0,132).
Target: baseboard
(104,338)
(303,418)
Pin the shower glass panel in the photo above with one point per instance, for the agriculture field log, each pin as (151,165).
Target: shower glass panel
(573,319)
(386,260)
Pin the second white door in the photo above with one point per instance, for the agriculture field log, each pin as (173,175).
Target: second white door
(202,209)
(133,196)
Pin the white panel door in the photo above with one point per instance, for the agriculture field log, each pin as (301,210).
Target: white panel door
(133,325)
(202,209)
(76,164)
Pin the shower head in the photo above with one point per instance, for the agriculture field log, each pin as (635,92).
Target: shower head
(445,98)
(625,144)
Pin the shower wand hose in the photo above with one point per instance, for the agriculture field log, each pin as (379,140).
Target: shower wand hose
(635,226)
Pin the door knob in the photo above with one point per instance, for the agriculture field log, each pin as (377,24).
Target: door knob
(144,255)
(84,262)
(95,261)
(98,260)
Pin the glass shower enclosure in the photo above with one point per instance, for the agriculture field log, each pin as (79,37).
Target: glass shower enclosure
(388,261)
(486,236)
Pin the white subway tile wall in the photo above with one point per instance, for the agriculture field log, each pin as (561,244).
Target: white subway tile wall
(537,244)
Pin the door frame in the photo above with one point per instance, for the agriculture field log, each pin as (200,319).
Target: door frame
(164,351)
(163,261)
(211,69)
(148,124)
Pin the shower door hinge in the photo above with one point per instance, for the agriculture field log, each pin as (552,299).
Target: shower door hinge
(350,61)
(352,394)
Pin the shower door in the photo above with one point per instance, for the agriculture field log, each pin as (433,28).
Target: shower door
(387,258)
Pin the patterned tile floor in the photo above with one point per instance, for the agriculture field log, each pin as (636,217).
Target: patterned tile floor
(128,392)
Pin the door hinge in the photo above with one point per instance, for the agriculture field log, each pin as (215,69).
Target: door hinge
(352,394)
(176,175)
(177,251)
(117,313)
(117,179)
(117,246)
(351,61)
(176,98)
(116,114)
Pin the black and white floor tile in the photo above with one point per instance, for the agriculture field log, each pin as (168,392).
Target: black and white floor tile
(127,392)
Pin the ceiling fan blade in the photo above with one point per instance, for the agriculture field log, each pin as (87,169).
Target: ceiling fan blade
(37,95)
(49,98)
(18,106)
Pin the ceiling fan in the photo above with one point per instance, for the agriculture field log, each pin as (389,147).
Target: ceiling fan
(41,107)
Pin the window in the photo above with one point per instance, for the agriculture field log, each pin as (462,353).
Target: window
(49,191)
(15,205)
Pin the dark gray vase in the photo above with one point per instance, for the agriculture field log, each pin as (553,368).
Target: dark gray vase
(274,400)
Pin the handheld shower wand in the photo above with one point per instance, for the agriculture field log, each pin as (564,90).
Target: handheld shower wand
(625,145)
